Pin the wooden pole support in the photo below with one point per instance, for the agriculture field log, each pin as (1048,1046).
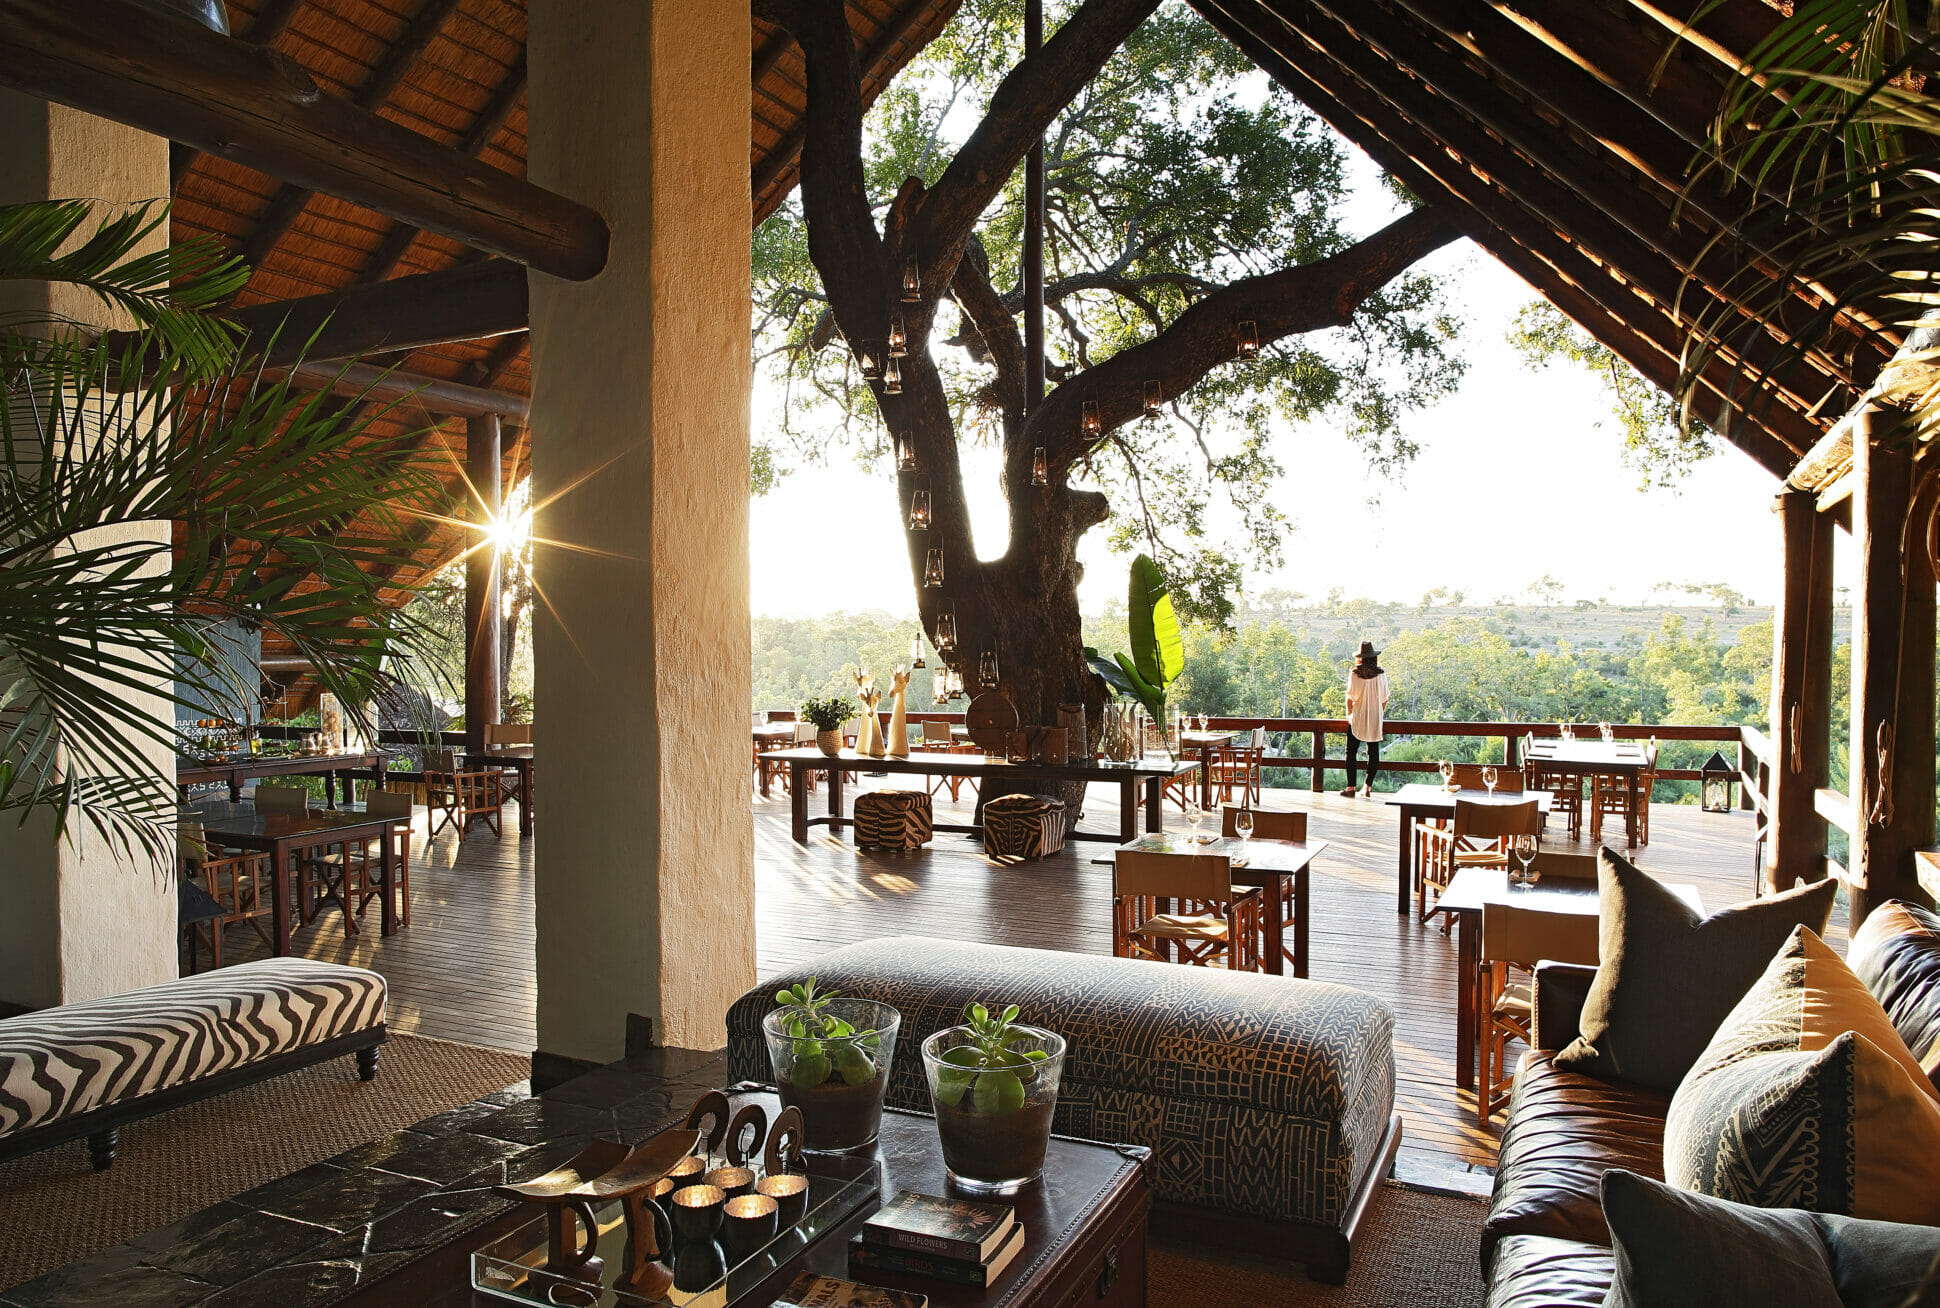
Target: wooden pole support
(128,62)
(1892,673)
(1801,706)
(484,455)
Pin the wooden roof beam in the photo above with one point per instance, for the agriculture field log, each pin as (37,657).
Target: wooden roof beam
(433,394)
(1620,224)
(468,302)
(173,77)
(1641,335)
(270,22)
(1524,183)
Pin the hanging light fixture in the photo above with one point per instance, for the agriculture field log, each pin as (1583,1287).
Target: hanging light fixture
(1040,467)
(898,338)
(956,684)
(1154,398)
(916,652)
(946,630)
(869,355)
(933,568)
(906,451)
(919,512)
(987,669)
(912,281)
(892,377)
(1093,422)
(1249,339)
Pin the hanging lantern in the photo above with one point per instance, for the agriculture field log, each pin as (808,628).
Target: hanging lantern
(1714,786)
(1093,423)
(946,631)
(1249,339)
(919,511)
(987,669)
(898,338)
(916,652)
(906,452)
(1154,398)
(869,355)
(1040,467)
(956,684)
(912,281)
(933,568)
(892,377)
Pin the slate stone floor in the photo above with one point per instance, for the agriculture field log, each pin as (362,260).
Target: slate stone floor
(319,1233)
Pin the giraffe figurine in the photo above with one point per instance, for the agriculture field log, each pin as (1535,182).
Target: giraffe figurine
(899,718)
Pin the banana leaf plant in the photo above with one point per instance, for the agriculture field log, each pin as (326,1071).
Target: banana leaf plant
(1158,647)
(285,510)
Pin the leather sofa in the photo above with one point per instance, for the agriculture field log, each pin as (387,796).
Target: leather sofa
(1544,1242)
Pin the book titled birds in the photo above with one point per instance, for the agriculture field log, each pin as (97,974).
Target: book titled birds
(952,1240)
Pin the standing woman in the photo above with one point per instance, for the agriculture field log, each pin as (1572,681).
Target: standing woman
(1367,696)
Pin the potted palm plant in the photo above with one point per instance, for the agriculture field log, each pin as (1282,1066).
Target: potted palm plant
(994,1085)
(828,713)
(104,435)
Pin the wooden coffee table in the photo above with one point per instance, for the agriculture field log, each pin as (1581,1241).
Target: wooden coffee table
(1085,1234)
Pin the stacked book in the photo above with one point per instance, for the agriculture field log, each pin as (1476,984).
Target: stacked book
(951,1240)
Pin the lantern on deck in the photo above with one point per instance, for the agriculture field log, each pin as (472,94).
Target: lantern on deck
(1714,785)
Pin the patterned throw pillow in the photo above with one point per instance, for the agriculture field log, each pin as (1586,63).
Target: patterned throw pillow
(1896,952)
(1807,1098)
(1669,975)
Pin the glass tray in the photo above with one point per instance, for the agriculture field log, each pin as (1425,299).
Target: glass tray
(511,1268)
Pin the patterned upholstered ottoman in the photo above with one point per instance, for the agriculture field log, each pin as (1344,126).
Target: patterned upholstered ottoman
(893,819)
(1269,1102)
(86,1069)
(1023,827)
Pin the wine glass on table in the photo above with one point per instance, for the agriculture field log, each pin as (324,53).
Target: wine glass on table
(1448,775)
(1243,828)
(1525,851)
(1195,815)
(1489,780)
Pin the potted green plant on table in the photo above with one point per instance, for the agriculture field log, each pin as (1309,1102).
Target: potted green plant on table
(831,1057)
(994,1084)
(1158,645)
(828,713)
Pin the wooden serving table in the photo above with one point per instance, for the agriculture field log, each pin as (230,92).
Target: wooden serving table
(280,835)
(1151,773)
(1421,800)
(1467,892)
(1200,745)
(1257,862)
(238,768)
(1611,758)
(1085,1231)
(508,758)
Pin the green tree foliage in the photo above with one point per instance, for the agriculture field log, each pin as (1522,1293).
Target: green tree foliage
(1657,441)
(1175,172)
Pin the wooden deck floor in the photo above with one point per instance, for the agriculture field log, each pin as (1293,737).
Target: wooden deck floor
(463,971)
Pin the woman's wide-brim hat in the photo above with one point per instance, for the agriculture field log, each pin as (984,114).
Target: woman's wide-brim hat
(1368,652)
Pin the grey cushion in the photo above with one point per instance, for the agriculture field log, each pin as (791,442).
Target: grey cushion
(1680,1250)
(1259,1094)
(1669,977)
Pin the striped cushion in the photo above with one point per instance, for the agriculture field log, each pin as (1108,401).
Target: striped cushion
(893,819)
(62,1061)
(1023,826)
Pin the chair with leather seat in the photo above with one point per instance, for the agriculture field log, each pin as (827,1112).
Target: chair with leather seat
(1479,836)
(1217,922)
(1274,824)
(1514,939)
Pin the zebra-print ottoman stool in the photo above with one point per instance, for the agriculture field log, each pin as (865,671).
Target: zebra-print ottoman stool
(84,1070)
(893,819)
(1017,828)
(1267,1103)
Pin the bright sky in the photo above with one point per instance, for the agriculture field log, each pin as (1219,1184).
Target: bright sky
(1515,479)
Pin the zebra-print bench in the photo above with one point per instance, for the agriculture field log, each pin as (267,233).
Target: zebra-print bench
(83,1070)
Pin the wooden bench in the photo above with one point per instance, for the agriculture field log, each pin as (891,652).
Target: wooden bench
(84,1070)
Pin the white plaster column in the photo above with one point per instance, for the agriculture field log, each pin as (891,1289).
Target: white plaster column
(82,918)
(644,867)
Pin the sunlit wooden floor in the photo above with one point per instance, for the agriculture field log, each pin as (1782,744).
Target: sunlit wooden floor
(463,971)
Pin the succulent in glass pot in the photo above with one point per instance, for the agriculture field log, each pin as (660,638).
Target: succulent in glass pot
(831,1056)
(994,1085)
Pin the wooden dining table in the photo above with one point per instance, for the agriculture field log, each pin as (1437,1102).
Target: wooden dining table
(1612,758)
(1260,862)
(1200,745)
(280,835)
(233,769)
(1422,800)
(1467,892)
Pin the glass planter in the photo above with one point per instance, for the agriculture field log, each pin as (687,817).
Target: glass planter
(994,1123)
(838,1083)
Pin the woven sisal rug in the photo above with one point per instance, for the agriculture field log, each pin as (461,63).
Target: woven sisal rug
(54,1208)
(1418,1251)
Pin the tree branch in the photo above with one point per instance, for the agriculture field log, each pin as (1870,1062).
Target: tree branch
(994,322)
(1022,108)
(1287,302)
